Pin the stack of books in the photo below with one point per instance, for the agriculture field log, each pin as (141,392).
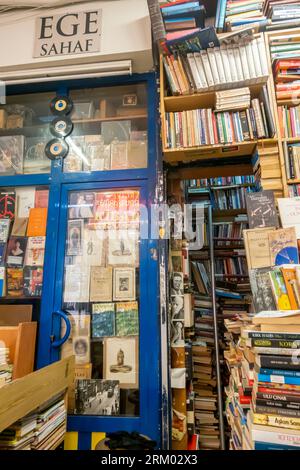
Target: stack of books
(199,127)
(183,15)
(243,12)
(6,369)
(293,161)
(267,169)
(282,11)
(273,420)
(43,429)
(238,99)
(217,68)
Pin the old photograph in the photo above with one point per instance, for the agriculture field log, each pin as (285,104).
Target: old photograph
(97,397)
(124,284)
(121,361)
(75,237)
(177,284)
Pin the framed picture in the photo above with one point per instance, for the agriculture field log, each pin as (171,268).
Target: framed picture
(121,357)
(130,100)
(123,248)
(124,284)
(75,237)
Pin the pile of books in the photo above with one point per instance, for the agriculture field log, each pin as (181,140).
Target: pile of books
(273,420)
(267,168)
(293,161)
(238,99)
(217,67)
(183,15)
(282,11)
(43,429)
(243,12)
(205,127)
(6,369)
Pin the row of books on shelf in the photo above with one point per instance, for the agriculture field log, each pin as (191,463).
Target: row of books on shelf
(222,181)
(263,15)
(289,121)
(292,156)
(217,67)
(44,429)
(227,199)
(228,233)
(184,15)
(204,127)
(234,264)
(294,190)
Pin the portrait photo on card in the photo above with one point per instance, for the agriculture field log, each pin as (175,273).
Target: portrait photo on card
(82,205)
(177,284)
(16,251)
(75,237)
(123,248)
(177,307)
(124,284)
(177,333)
(121,361)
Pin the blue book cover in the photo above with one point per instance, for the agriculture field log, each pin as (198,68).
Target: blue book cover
(103,320)
(2,253)
(269,446)
(278,379)
(220,15)
(285,373)
(184,7)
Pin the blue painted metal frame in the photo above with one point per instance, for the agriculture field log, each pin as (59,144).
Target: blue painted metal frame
(59,184)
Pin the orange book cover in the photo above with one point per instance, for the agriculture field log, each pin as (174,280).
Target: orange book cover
(290,280)
(37,222)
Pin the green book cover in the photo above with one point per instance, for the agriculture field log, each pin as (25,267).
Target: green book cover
(127,319)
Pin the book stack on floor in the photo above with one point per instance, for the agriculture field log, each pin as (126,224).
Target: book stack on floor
(215,68)
(6,369)
(205,127)
(274,418)
(43,429)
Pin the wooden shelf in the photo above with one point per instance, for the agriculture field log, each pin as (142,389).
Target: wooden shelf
(115,118)
(21,397)
(291,140)
(228,212)
(295,181)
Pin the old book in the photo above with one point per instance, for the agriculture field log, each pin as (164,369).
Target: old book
(80,327)
(16,250)
(262,289)
(81,205)
(14,282)
(261,210)
(283,246)
(124,284)
(101,284)
(103,320)
(33,281)
(123,248)
(93,249)
(77,283)
(289,210)
(25,200)
(35,251)
(41,198)
(257,247)
(4,230)
(279,290)
(292,287)
(37,222)
(7,204)
(127,319)
(19,227)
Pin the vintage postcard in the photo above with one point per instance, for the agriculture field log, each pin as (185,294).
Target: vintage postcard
(121,359)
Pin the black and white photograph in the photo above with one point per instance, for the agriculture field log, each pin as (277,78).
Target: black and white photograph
(123,248)
(124,284)
(97,397)
(177,284)
(177,307)
(82,205)
(177,333)
(75,237)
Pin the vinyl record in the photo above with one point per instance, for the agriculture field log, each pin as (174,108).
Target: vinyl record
(56,148)
(288,255)
(61,126)
(61,105)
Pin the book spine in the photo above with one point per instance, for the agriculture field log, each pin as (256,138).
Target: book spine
(273,401)
(278,411)
(270,336)
(281,379)
(275,351)
(286,373)
(274,343)
(276,437)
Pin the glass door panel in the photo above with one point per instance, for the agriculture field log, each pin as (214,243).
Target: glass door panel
(110,129)
(101,296)
(23,221)
(24,133)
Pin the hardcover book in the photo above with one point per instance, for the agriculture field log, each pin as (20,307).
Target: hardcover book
(127,319)
(16,250)
(37,222)
(14,282)
(19,227)
(261,209)
(35,251)
(261,287)
(103,320)
(283,246)
(101,284)
(33,281)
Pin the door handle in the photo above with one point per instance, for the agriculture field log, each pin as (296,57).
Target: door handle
(63,315)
